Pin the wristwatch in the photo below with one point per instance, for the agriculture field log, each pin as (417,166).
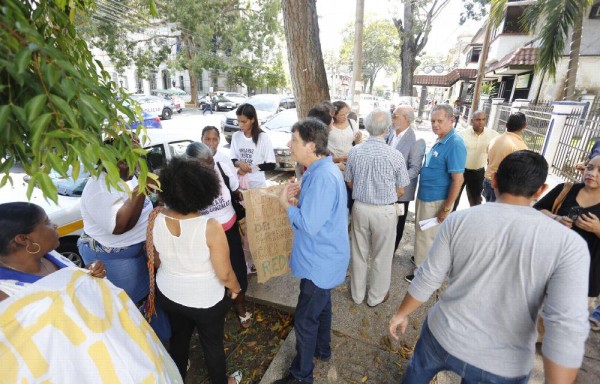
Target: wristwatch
(446,210)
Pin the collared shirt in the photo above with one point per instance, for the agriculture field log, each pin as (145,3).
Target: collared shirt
(321,248)
(397,137)
(447,156)
(499,148)
(375,170)
(477,146)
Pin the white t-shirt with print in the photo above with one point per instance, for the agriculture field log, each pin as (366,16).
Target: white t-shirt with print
(228,169)
(99,207)
(221,208)
(244,149)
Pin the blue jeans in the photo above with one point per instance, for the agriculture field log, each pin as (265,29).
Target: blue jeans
(488,191)
(312,324)
(430,358)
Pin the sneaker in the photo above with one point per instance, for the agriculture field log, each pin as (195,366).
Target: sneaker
(412,260)
(409,278)
(595,320)
(237,376)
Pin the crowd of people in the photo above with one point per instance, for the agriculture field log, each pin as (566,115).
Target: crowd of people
(184,261)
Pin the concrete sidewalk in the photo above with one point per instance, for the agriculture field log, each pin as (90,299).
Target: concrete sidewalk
(362,349)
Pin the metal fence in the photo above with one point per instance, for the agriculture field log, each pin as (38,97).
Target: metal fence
(499,124)
(538,122)
(576,141)
(486,106)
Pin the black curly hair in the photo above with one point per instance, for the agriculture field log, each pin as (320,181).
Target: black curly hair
(15,219)
(188,185)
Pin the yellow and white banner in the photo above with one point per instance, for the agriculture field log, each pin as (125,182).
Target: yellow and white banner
(72,328)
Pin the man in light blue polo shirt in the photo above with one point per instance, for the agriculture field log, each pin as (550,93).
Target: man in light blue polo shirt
(441,178)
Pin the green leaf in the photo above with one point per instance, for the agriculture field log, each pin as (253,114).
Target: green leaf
(35,106)
(38,128)
(22,60)
(65,109)
(4,113)
(95,104)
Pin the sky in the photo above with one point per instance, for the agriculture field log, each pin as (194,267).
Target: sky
(334,15)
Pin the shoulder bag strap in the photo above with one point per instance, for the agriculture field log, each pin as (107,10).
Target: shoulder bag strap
(225,177)
(561,197)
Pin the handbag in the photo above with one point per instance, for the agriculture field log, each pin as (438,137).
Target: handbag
(561,197)
(240,211)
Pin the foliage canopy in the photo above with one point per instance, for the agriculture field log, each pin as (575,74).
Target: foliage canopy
(57,105)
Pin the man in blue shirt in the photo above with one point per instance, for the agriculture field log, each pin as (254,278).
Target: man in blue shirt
(321,249)
(440,180)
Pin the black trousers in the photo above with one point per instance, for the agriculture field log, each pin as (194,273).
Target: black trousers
(236,255)
(400,225)
(474,183)
(210,323)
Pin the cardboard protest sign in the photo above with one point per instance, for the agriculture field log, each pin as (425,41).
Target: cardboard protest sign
(269,232)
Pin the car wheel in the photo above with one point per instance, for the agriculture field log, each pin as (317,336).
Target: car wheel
(166,114)
(68,248)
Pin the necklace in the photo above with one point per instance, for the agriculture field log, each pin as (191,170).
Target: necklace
(45,269)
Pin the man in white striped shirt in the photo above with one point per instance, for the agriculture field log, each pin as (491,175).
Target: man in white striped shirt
(377,175)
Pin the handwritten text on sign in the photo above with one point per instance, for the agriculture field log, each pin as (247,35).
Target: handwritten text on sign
(270,235)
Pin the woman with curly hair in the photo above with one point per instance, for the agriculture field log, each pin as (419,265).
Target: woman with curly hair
(221,209)
(195,280)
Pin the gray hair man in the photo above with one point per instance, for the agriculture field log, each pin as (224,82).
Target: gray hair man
(402,137)
(477,138)
(377,175)
(440,180)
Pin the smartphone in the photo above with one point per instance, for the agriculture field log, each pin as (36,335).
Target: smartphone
(574,213)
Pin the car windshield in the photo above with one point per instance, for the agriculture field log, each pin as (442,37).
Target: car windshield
(264,104)
(282,122)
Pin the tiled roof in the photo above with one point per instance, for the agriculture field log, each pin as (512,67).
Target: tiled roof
(522,56)
(446,80)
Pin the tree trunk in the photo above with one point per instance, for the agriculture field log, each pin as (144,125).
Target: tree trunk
(309,80)
(193,87)
(187,39)
(408,53)
(574,58)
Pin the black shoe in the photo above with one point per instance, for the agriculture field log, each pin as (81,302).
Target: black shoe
(412,260)
(289,379)
(409,278)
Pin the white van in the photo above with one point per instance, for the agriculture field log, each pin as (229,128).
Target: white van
(162,146)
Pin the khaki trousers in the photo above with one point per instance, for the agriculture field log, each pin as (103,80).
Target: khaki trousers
(424,239)
(373,233)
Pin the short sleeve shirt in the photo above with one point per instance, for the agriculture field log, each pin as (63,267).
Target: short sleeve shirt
(446,157)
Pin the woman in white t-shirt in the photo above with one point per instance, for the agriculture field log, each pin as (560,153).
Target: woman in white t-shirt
(114,231)
(343,134)
(222,210)
(251,149)
(194,279)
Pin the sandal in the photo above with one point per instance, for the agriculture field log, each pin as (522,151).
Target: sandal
(246,320)
(237,376)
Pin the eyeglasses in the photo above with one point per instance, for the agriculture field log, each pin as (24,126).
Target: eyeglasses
(396,116)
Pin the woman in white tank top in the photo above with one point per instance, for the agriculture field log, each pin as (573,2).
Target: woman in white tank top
(195,280)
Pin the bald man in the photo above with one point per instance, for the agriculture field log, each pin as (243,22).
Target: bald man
(402,137)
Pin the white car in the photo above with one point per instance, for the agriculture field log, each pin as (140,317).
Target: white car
(237,98)
(266,105)
(156,105)
(162,147)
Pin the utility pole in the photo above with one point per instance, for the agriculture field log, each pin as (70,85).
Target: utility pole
(357,62)
(481,69)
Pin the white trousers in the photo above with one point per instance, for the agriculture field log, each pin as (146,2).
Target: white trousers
(373,234)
